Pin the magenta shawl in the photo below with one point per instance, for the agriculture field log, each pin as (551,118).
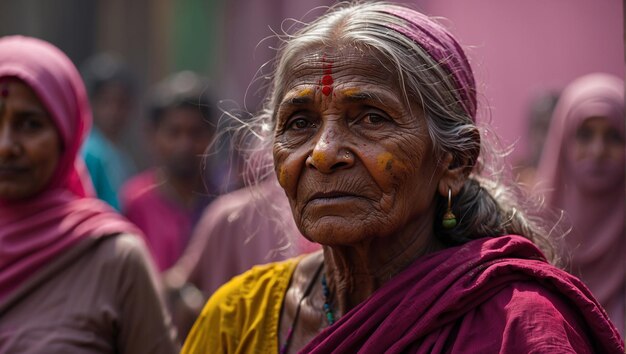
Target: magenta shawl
(34,231)
(423,309)
(595,249)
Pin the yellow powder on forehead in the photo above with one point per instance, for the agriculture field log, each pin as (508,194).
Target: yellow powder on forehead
(350,91)
(305,92)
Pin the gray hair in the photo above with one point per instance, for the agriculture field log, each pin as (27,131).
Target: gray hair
(486,206)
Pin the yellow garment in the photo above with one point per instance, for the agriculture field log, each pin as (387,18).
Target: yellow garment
(243,316)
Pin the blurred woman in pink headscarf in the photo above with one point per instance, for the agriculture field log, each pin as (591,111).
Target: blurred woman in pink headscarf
(74,277)
(582,170)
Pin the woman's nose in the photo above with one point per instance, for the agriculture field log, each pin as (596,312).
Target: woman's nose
(330,152)
(597,147)
(8,144)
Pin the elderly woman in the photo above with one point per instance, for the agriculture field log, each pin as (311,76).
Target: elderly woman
(375,143)
(74,277)
(582,169)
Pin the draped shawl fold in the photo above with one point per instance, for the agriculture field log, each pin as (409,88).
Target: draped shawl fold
(418,310)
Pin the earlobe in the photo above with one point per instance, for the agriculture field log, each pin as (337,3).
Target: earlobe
(453,177)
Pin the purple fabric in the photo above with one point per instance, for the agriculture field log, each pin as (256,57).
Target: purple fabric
(443,48)
(423,309)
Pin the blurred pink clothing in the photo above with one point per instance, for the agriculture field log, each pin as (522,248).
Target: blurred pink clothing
(238,230)
(166,224)
(595,250)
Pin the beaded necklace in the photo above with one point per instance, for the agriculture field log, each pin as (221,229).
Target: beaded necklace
(327,309)
(330,317)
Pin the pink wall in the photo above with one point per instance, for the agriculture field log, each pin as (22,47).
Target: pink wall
(519,48)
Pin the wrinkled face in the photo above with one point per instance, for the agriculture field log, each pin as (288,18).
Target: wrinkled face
(597,155)
(354,160)
(181,136)
(30,146)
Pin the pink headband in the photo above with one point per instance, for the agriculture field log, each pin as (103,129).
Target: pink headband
(443,48)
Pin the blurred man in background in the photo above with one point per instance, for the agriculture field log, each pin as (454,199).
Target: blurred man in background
(166,201)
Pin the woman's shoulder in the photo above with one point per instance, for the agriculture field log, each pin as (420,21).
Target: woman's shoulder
(122,256)
(530,317)
(247,306)
(121,248)
(272,277)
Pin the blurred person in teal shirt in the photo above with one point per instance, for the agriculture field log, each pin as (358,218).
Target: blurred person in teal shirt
(111,88)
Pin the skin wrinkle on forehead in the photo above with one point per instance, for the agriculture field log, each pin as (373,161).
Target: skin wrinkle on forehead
(379,96)
(305,69)
(367,67)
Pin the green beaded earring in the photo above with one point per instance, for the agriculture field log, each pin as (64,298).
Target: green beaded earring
(449,219)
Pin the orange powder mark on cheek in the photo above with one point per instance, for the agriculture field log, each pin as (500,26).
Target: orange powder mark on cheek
(386,162)
(283,176)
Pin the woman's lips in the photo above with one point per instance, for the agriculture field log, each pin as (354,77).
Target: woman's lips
(11,171)
(333,194)
(327,198)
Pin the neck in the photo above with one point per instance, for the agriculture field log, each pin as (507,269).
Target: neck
(354,272)
(182,190)
(109,135)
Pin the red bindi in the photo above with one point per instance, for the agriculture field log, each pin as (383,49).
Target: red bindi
(327,79)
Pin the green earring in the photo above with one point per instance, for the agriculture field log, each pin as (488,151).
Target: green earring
(449,219)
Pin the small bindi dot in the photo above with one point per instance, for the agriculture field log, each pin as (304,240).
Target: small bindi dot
(326,90)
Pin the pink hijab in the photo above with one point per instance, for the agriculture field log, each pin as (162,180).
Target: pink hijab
(596,247)
(36,230)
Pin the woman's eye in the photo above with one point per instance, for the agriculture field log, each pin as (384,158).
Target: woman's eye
(584,135)
(30,124)
(614,137)
(300,123)
(374,119)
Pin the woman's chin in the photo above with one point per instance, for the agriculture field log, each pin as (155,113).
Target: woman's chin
(335,231)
